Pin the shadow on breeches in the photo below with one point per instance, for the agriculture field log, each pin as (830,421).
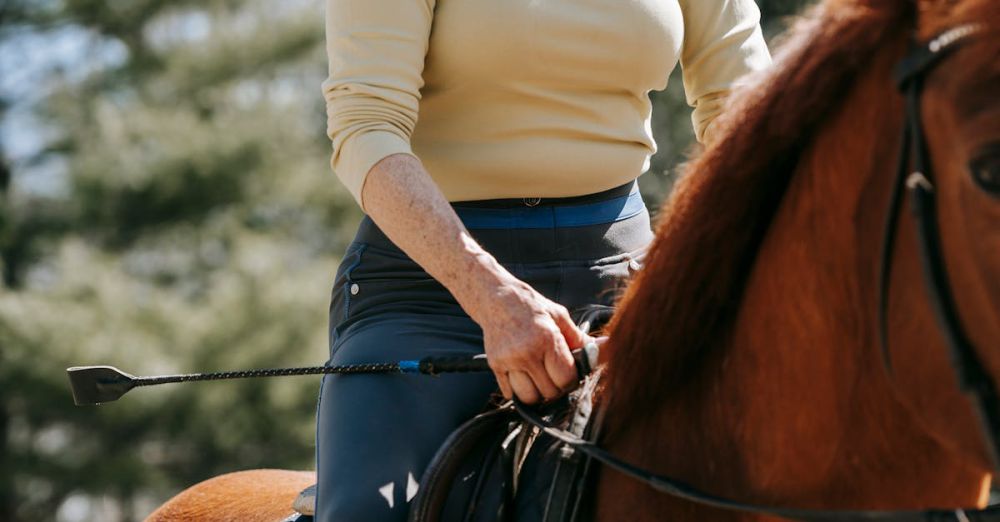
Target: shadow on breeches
(264,495)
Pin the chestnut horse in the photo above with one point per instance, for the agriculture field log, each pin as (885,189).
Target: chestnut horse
(745,357)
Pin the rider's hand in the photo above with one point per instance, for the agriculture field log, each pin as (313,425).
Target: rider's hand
(527,336)
(527,341)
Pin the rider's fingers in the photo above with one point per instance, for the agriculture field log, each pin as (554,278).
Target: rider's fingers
(559,362)
(523,387)
(560,367)
(504,383)
(543,382)
(574,337)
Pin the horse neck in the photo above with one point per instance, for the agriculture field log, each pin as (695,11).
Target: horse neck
(798,410)
(849,435)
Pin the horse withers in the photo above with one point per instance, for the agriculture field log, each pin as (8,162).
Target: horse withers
(746,359)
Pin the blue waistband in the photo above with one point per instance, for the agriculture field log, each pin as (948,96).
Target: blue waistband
(553,216)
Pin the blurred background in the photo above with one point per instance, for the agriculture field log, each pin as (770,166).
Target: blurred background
(166,205)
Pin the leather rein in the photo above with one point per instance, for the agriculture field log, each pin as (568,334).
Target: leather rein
(914,177)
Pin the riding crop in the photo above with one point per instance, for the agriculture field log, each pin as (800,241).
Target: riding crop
(97,384)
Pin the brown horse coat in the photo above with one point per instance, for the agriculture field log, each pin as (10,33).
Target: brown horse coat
(744,360)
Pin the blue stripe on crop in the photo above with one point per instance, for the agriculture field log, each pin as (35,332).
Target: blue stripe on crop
(409,366)
(598,213)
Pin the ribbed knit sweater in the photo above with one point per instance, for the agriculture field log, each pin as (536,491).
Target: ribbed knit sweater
(524,98)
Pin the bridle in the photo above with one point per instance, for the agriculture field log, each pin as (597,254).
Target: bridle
(914,177)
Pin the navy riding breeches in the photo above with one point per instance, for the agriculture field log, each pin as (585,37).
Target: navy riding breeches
(377,433)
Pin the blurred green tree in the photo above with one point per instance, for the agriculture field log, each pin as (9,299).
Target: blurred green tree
(192,226)
(178,216)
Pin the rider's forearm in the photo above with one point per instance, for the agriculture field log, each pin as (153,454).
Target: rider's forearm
(526,336)
(402,199)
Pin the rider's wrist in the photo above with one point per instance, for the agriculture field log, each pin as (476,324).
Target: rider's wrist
(480,283)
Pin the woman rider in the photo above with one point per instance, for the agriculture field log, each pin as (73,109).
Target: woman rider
(509,201)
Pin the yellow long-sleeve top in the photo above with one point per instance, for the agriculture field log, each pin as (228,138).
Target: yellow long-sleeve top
(523,98)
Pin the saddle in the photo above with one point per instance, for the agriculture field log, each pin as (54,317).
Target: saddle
(498,468)
(495,467)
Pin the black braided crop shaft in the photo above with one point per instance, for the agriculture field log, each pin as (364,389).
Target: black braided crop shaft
(273,372)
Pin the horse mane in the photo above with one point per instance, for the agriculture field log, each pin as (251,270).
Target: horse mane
(682,306)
